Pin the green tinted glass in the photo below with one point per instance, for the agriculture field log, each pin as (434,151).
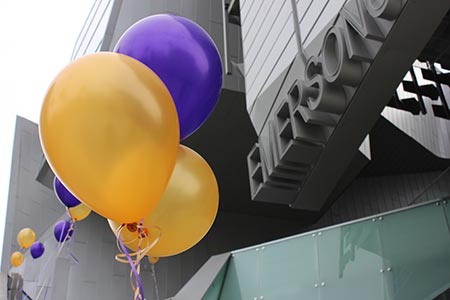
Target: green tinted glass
(289,269)
(416,250)
(213,292)
(241,280)
(350,260)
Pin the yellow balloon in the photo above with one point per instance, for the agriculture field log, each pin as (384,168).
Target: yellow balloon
(26,237)
(16,259)
(79,212)
(153,260)
(185,213)
(110,132)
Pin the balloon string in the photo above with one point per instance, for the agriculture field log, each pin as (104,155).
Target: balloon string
(125,257)
(133,268)
(59,248)
(155,282)
(71,229)
(121,257)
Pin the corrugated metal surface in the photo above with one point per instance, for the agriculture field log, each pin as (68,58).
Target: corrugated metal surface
(268,37)
(372,195)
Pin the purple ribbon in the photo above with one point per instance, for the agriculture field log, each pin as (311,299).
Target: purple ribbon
(133,267)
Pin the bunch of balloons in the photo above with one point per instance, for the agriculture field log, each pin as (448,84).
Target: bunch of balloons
(111,125)
(26,238)
(76,210)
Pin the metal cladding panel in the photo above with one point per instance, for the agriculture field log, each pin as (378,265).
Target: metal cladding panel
(274,46)
(420,107)
(328,89)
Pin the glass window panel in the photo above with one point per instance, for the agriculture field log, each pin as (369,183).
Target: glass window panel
(350,260)
(213,292)
(241,279)
(446,207)
(289,269)
(416,248)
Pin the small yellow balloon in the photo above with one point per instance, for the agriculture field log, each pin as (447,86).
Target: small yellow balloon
(185,213)
(153,260)
(26,237)
(109,130)
(16,259)
(79,212)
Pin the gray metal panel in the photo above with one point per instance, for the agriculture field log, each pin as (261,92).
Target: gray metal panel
(285,58)
(312,15)
(252,47)
(408,39)
(429,130)
(277,29)
(251,32)
(326,16)
(273,47)
(3,286)
(261,110)
(258,10)
(30,203)
(269,56)
(367,196)
(197,287)
(173,6)
(246,9)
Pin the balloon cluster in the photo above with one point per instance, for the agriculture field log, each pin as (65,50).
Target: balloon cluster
(111,125)
(26,238)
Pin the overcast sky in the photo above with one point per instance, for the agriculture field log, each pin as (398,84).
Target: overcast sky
(36,41)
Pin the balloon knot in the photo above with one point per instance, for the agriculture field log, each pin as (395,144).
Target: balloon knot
(143,233)
(132,227)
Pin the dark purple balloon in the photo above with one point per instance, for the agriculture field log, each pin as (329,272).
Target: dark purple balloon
(61,231)
(63,194)
(185,57)
(37,249)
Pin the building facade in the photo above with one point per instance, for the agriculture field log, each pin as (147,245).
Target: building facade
(330,111)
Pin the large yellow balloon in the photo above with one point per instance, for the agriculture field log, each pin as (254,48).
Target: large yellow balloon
(79,212)
(109,130)
(186,212)
(16,259)
(26,237)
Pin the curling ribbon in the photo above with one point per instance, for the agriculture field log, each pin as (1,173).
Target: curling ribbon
(133,268)
(72,228)
(126,257)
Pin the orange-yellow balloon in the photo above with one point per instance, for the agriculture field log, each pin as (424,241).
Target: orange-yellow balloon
(16,259)
(153,260)
(26,237)
(79,212)
(110,132)
(185,213)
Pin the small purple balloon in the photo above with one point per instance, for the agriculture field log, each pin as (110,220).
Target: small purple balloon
(37,249)
(63,194)
(62,231)
(186,59)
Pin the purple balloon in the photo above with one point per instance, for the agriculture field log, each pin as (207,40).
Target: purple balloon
(37,249)
(61,231)
(63,194)
(186,59)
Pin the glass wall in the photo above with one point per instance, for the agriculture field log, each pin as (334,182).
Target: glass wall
(403,255)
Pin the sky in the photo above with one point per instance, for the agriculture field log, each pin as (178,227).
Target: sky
(36,42)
